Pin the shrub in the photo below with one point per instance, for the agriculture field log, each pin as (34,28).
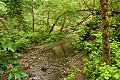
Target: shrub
(9,60)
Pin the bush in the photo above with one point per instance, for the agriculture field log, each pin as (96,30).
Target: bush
(9,60)
(93,66)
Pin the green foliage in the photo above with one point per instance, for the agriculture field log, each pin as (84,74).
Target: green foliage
(17,73)
(85,46)
(114,33)
(93,67)
(108,72)
(16,35)
(80,33)
(54,37)
(71,76)
(14,42)
(96,71)
(115,53)
(8,60)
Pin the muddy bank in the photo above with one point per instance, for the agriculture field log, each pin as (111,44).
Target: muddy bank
(51,62)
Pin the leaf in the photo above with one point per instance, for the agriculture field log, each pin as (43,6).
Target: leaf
(16,55)
(10,76)
(12,60)
(2,69)
(9,45)
(117,76)
(17,76)
(3,63)
(2,53)
(22,73)
(107,77)
(2,2)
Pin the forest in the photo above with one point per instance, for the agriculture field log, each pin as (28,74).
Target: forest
(59,39)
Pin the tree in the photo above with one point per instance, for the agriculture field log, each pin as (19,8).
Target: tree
(33,16)
(105,32)
(14,14)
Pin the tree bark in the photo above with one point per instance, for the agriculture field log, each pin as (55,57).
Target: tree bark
(105,32)
(33,20)
(48,20)
(63,24)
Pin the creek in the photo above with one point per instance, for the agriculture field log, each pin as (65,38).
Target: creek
(52,61)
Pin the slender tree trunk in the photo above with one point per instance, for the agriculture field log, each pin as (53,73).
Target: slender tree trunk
(63,24)
(33,16)
(105,32)
(53,25)
(48,20)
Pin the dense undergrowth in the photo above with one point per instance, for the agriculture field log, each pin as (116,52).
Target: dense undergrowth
(88,40)
(93,67)
(15,42)
(92,48)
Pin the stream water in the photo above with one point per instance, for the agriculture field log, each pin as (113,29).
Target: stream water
(48,62)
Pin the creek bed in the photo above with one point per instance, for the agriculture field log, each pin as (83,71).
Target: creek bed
(48,62)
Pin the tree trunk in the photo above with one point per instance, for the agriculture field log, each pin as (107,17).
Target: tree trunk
(63,24)
(105,32)
(33,16)
(48,20)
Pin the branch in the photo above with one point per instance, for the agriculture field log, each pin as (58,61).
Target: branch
(78,23)
(67,13)
(115,12)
